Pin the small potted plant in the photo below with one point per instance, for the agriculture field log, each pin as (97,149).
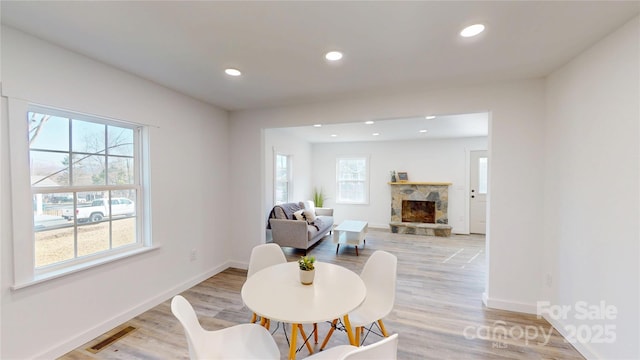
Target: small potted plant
(307,270)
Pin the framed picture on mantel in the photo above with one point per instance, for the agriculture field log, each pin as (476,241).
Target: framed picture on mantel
(402,176)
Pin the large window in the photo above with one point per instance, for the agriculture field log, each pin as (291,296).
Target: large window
(86,191)
(352,180)
(283,183)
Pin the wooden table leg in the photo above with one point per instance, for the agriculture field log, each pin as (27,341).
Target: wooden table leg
(326,339)
(304,337)
(292,343)
(347,324)
(315,332)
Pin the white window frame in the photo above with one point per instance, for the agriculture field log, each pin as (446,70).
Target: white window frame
(339,199)
(289,176)
(25,272)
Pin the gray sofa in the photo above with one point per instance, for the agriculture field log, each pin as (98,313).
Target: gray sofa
(288,231)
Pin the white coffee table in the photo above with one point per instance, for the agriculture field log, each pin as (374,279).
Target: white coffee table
(350,232)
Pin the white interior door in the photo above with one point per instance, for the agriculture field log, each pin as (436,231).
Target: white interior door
(478,192)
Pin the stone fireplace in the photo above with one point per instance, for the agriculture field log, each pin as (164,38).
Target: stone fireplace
(420,208)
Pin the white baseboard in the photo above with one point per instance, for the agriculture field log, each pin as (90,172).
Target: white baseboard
(244,265)
(80,339)
(584,349)
(509,305)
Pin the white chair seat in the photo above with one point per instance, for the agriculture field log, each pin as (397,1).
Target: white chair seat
(385,349)
(333,353)
(245,341)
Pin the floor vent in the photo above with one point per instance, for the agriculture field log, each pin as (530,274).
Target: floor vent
(110,340)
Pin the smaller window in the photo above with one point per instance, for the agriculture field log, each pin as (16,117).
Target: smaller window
(352,175)
(283,182)
(482,175)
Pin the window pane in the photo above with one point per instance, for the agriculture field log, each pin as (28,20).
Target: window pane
(88,170)
(482,175)
(282,178)
(124,231)
(53,233)
(53,246)
(49,168)
(48,132)
(93,238)
(352,180)
(87,137)
(123,203)
(120,141)
(121,171)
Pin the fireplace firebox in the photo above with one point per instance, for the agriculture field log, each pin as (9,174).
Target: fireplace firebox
(419,211)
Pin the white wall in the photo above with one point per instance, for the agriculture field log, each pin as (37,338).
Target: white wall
(515,141)
(592,189)
(424,160)
(189,169)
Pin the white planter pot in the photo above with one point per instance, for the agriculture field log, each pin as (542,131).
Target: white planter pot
(306,276)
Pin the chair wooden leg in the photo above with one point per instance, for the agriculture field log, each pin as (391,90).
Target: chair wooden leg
(315,332)
(304,336)
(263,321)
(384,331)
(268,324)
(326,339)
(357,251)
(254,317)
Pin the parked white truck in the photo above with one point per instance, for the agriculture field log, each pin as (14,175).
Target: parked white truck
(99,209)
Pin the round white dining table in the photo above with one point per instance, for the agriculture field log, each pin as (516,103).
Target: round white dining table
(275,293)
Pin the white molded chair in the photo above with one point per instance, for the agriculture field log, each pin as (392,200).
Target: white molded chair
(263,256)
(245,341)
(379,275)
(385,349)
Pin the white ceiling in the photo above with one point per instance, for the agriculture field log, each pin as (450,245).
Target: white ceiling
(389,46)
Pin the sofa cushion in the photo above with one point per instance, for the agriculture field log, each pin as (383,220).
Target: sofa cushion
(308,205)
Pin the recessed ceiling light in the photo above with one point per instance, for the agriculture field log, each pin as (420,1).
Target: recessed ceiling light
(423,131)
(369,122)
(232,72)
(430,117)
(375,134)
(334,135)
(472,30)
(317,125)
(333,55)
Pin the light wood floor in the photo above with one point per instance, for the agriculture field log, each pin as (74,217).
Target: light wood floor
(438,302)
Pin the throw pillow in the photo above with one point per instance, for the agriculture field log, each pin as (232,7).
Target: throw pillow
(299,215)
(309,215)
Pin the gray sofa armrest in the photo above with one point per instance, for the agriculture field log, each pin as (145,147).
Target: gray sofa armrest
(324,211)
(291,233)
